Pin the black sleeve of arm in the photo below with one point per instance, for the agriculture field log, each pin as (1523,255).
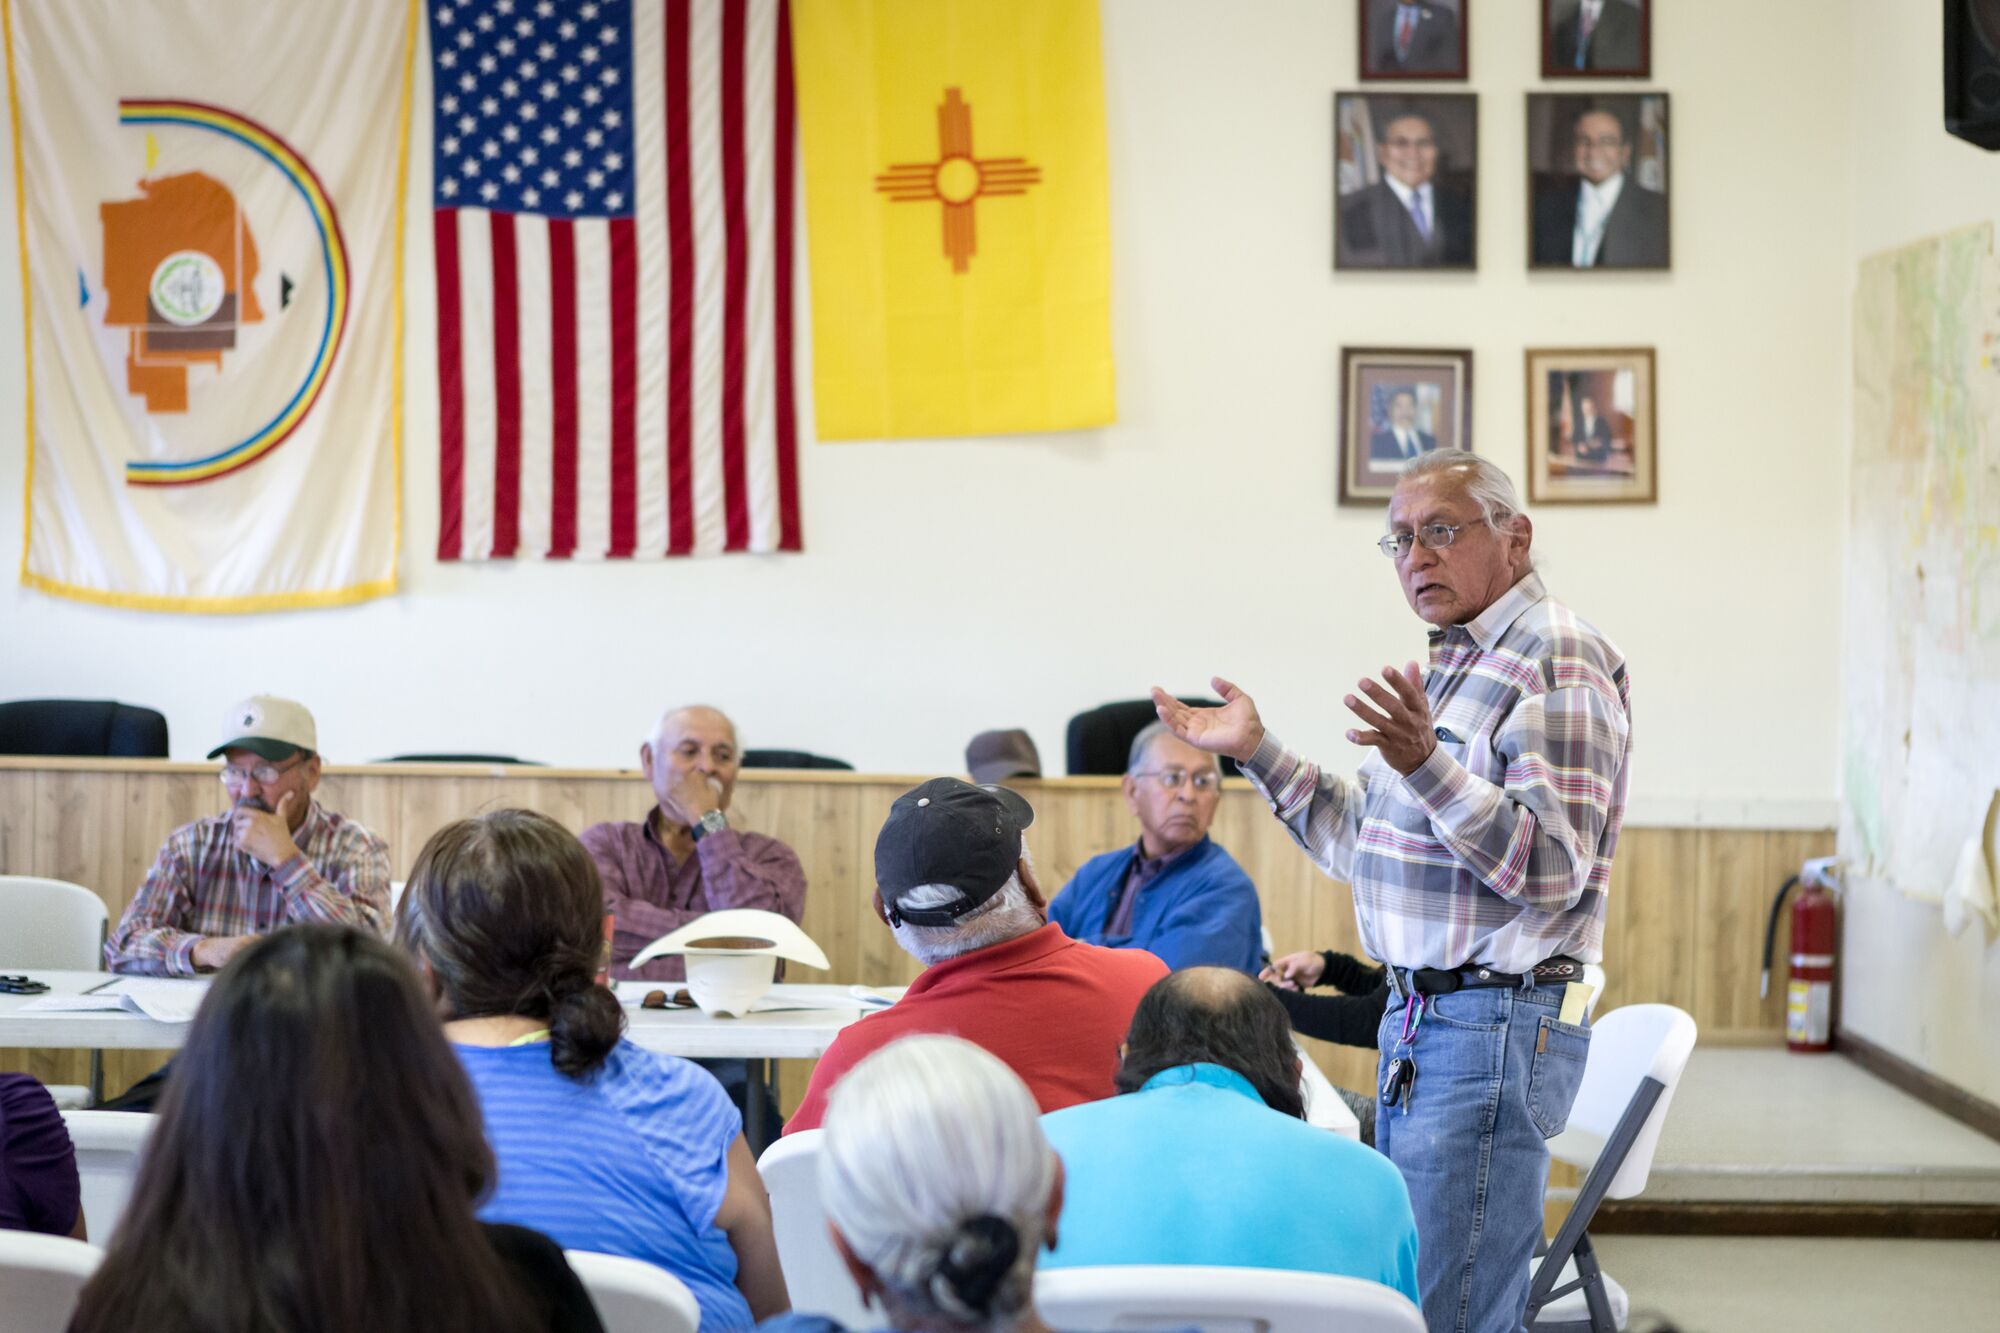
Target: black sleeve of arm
(1349,975)
(1350,1020)
(545,1277)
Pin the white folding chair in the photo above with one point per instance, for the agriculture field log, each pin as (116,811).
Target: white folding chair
(1636,1057)
(53,925)
(633,1296)
(818,1281)
(1220,1300)
(109,1148)
(40,1277)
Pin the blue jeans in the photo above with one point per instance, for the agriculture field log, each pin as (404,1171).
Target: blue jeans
(1496,1074)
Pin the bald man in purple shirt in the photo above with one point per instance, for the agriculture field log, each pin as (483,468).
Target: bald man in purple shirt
(684,859)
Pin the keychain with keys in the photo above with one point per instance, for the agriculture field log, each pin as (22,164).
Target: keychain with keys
(1399,1082)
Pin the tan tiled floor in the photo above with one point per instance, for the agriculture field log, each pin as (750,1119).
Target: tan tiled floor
(1763,1123)
(1783,1285)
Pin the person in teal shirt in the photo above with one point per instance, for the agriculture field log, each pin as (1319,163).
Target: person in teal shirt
(1205,1157)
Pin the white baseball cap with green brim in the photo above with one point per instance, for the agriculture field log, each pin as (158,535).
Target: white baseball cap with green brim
(269,727)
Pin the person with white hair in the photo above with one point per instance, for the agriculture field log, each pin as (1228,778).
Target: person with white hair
(940,1190)
(1477,839)
(953,881)
(685,859)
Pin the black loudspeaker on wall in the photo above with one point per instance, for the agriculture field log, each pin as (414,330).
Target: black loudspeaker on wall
(1972,71)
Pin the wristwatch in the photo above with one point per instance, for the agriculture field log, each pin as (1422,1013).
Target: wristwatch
(712,822)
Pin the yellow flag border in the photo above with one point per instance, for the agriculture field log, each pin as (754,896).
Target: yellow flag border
(281,601)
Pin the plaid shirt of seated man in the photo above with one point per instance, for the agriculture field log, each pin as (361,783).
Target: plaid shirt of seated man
(276,856)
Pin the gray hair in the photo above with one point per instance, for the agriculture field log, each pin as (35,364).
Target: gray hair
(930,1145)
(1486,483)
(1007,915)
(667,718)
(1143,742)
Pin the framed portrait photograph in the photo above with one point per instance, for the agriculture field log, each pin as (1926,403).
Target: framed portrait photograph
(1590,426)
(1401,39)
(1398,404)
(1598,190)
(1404,176)
(1597,39)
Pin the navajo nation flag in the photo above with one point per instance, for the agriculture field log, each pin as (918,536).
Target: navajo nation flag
(209,203)
(613,196)
(957,206)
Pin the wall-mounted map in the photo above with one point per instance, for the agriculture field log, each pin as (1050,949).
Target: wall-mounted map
(1921,751)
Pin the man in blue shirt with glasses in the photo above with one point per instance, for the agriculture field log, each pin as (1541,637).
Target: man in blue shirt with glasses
(1174,892)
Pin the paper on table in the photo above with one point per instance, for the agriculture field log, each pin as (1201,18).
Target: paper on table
(72,1004)
(160,999)
(819,997)
(782,998)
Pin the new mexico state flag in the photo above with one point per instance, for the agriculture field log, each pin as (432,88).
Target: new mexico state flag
(957,213)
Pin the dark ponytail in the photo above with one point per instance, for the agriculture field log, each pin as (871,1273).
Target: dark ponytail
(585,1021)
(508,911)
(973,1267)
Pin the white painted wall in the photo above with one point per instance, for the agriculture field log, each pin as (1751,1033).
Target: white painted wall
(950,586)
(1907,985)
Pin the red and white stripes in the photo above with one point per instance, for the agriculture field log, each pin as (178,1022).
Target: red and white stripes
(623,387)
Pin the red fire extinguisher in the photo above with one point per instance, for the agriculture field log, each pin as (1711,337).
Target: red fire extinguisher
(1815,947)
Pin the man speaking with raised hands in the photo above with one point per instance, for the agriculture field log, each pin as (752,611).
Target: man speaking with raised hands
(1477,839)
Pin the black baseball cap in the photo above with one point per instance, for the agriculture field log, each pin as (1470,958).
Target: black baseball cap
(949,832)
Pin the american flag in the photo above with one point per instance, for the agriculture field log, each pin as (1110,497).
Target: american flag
(613,230)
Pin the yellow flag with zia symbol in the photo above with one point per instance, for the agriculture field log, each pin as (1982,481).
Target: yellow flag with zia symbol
(958,216)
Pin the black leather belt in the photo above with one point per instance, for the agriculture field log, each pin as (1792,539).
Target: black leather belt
(1445,980)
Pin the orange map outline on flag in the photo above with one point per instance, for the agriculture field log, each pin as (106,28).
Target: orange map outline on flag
(334,268)
(179,264)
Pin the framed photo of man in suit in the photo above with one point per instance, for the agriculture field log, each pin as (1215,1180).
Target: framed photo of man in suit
(1598,187)
(1398,404)
(1597,39)
(1404,176)
(1412,39)
(1591,425)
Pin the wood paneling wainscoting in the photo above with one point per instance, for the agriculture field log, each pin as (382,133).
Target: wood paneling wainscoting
(1685,927)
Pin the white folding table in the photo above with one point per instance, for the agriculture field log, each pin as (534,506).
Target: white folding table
(788,1034)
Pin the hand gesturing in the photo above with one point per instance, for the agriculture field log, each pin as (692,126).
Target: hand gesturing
(1233,729)
(1399,723)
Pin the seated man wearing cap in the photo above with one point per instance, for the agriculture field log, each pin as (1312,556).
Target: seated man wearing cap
(275,857)
(1173,893)
(954,882)
(683,859)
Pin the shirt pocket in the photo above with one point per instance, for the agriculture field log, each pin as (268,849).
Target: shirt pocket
(1560,1052)
(1473,750)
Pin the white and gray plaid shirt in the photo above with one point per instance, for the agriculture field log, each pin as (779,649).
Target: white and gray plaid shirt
(1497,851)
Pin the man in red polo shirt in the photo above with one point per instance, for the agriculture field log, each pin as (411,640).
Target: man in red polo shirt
(953,881)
